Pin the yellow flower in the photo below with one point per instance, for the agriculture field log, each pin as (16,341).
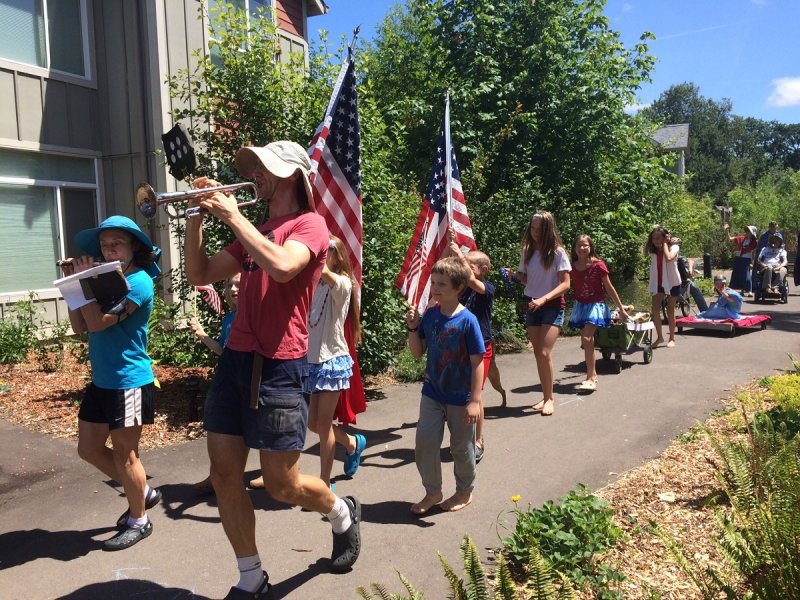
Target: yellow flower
(516,498)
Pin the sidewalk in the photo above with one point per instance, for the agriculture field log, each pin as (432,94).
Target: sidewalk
(55,510)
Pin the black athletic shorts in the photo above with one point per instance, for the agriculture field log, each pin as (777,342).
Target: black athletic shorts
(119,408)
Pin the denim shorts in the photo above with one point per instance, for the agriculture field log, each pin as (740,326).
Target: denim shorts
(552,315)
(673,291)
(279,423)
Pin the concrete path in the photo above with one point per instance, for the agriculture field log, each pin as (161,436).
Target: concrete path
(55,510)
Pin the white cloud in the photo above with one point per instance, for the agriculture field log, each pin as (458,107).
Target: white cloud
(632,109)
(670,36)
(627,7)
(786,92)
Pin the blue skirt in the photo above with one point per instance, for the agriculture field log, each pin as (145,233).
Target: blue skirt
(596,313)
(741,275)
(331,376)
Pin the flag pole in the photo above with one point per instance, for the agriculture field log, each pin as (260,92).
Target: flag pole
(352,45)
(448,165)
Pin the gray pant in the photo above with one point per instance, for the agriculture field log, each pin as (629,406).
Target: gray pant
(430,433)
(768,277)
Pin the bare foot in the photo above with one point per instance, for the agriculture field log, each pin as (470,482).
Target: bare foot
(257,483)
(671,344)
(548,407)
(457,501)
(538,406)
(428,502)
(658,342)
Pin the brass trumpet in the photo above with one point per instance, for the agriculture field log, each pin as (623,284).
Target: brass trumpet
(148,200)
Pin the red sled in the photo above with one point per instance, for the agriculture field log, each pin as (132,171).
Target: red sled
(729,326)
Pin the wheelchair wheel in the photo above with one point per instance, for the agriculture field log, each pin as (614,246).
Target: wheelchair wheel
(684,306)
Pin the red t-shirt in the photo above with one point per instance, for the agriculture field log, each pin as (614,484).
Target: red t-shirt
(272,317)
(746,245)
(589,283)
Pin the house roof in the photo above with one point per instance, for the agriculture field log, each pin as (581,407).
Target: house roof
(316,8)
(672,137)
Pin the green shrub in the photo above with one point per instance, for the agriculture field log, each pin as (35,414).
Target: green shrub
(50,353)
(568,534)
(406,368)
(785,390)
(18,332)
(170,343)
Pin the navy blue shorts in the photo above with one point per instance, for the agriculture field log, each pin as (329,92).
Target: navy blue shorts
(281,419)
(552,315)
(119,408)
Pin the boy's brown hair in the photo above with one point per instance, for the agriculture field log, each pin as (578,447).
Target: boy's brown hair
(481,260)
(455,269)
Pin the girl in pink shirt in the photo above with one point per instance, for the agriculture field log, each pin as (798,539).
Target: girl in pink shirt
(590,311)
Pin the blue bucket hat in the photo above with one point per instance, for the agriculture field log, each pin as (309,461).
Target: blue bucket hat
(88,240)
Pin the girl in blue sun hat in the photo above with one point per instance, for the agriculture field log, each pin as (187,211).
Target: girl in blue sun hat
(120,398)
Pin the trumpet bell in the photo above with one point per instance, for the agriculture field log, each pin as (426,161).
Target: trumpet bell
(146,200)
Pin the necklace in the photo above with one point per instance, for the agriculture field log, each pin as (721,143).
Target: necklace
(313,324)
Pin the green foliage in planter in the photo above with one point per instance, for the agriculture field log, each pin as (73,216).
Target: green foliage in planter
(170,343)
(50,353)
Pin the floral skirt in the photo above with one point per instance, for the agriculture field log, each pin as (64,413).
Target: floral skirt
(331,376)
(595,313)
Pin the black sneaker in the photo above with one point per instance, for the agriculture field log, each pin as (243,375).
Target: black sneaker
(153,498)
(347,545)
(128,537)
(264,592)
(479,450)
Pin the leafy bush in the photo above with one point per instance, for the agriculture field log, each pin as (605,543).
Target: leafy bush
(18,332)
(785,391)
(569,535)
(406,368)
(758,536)
(50,353)
(169,342)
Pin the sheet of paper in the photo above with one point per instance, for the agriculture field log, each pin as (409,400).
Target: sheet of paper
(70,286)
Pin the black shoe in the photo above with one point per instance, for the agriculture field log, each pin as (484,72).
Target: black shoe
(479,450)
(347,545)
(128,537)
(153,498)
(264,592)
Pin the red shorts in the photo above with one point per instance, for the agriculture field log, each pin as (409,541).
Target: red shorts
(487,360)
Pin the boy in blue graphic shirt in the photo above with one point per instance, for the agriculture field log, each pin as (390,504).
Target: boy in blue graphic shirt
(451,392)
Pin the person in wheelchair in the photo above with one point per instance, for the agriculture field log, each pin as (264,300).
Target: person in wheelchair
(728,302)
(772,261)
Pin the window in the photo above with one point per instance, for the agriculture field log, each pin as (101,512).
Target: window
(45,199)
(45,33)
(255,9)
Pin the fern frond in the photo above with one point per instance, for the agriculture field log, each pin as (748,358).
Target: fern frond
(414,594)
(477,586)
(456,584)
(540,575)
(568,591)
(505,589)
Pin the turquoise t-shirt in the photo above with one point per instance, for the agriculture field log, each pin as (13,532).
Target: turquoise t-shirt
(119,353)
(451,342)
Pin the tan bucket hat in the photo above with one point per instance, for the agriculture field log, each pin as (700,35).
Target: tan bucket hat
(281,159)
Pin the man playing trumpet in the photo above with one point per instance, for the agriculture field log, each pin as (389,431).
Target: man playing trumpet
(256,398)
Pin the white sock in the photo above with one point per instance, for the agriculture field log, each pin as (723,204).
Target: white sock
(250,574)
(137,523)
(340,516)
(147,490)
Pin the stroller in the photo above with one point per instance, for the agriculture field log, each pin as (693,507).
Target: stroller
(777,293)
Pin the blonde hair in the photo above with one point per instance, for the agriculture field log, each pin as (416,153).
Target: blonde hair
(479,258)
(342,266)
(550,241)
(455,269)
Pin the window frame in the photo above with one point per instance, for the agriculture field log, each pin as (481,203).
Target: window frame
(49,71)
(56,186)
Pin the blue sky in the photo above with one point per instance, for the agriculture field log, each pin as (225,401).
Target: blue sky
(744,50)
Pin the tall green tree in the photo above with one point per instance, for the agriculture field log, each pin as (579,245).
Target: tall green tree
(538,97)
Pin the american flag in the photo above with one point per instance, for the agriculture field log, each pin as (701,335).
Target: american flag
(210,295)
(430,235)
(335,155)
(336,166)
